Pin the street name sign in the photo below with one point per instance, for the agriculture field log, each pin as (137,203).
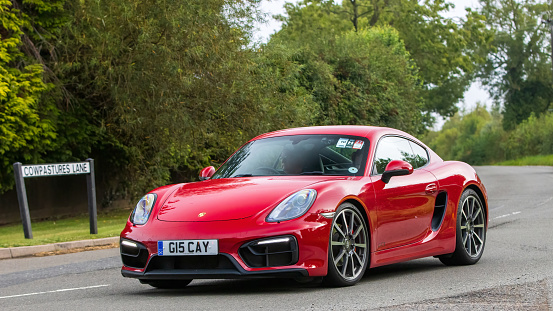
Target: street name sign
(21,171)
(55,169)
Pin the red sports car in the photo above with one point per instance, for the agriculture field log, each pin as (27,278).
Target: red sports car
(325,202)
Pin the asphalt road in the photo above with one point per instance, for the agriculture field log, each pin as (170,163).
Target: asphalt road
(515,272)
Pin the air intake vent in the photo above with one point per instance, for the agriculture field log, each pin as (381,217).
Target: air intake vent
(133,254)
(272,252)
(205,262)
(439,210)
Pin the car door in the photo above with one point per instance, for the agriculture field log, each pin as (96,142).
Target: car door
(405,204)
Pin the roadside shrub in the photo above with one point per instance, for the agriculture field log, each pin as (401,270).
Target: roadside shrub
(532,137)
(479,138)
(474,138)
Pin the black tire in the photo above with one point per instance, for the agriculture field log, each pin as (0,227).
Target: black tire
(348,248)
(470,233)
(166,284)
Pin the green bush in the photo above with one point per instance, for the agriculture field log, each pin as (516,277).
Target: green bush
(479,138)
(534,136)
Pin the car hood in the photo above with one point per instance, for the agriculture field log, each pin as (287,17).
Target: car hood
(230,198)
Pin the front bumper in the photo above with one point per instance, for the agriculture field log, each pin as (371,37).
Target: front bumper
(234,259)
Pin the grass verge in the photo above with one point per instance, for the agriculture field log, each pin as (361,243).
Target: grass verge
(110,224)
(546,160)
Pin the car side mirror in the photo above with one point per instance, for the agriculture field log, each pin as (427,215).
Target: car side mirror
(396,168)
(207,172)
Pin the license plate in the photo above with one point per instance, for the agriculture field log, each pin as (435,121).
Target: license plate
(187,247)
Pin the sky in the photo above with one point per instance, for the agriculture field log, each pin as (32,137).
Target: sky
(473,95)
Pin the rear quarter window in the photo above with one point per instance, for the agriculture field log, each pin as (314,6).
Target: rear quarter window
(420,155)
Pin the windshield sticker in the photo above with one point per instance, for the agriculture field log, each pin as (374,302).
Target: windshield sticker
(350,143)
(353,170)
(358,144)
(342,142)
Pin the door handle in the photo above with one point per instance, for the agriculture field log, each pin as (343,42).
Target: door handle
(431,188)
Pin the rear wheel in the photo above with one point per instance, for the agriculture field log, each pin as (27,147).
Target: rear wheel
(471,231)
(348,252)
(166,284)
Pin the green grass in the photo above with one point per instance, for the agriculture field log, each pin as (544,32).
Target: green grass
(546,160)
(110,224)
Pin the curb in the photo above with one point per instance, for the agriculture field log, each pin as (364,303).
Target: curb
(25,251)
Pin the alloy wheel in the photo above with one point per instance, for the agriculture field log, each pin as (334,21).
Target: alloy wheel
(472,226)
(349,244)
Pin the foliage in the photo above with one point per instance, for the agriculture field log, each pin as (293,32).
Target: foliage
(519,73)
(26,127)
(539,160)
(309,24)
(479,138)
(173,85)
(365,77)
(446,51)
(474,138)
(533,136)
(156,90)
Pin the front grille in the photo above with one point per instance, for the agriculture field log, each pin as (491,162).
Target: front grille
(189,262)
(134,256)
(273,252)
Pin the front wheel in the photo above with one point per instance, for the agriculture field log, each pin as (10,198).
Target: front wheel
(471,231)
(348,252)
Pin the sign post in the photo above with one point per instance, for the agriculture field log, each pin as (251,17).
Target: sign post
(55,169)
(22,198)
(91,189)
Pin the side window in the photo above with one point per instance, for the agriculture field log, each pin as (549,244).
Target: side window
(420,156)
(391,148)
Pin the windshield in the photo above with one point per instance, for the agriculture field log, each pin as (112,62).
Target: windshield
(341,155)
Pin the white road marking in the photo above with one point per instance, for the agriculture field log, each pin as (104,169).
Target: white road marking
(55,291)
(507,215)
(545,202)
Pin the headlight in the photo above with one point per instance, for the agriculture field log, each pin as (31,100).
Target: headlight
(143,209)
(294,206)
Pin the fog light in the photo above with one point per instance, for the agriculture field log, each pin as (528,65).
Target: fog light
(128,243)
(273,241)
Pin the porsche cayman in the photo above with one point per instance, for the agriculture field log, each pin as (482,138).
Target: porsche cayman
(318,202)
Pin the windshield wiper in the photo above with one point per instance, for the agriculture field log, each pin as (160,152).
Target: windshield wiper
(313,173)
(243,175)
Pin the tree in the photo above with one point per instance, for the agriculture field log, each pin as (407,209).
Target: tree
(27,121)
(171,86)
(364,77)
(518,73)
(446,51)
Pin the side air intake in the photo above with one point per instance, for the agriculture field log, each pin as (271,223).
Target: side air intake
(439,210)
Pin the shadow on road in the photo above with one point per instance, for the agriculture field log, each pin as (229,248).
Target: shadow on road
(281,286)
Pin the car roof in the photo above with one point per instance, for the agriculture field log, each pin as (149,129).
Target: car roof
(352,130)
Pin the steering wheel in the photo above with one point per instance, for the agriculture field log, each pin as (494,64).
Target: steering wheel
(338,165)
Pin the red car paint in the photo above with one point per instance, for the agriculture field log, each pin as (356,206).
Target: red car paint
(234,210)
